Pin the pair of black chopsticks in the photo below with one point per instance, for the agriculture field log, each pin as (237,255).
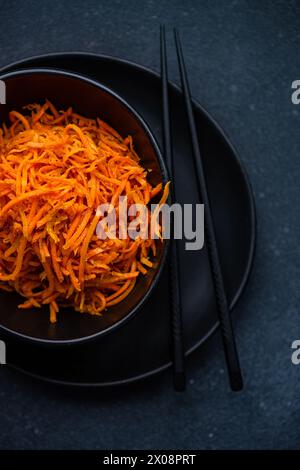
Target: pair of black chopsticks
(231,355)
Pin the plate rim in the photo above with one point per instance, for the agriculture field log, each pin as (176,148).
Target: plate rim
(250,193)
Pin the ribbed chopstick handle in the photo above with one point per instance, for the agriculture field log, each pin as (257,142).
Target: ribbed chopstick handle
(230,350)
(176,317)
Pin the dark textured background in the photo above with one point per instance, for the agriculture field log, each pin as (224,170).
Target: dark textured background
(242,56)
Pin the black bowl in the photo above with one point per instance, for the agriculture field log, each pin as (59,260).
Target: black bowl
(90,99)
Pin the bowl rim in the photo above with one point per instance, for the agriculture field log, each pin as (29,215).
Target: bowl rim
(165,177)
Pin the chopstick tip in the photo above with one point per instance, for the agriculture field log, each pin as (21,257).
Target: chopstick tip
(180,382)
(236,381)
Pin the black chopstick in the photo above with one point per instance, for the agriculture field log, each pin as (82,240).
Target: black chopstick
(231,355)
(176,314)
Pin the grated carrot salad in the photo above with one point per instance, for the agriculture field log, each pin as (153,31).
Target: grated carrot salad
(56,168)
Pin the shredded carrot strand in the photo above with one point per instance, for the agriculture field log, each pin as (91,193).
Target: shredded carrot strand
(56,168)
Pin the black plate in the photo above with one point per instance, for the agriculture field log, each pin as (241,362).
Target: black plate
(142,347)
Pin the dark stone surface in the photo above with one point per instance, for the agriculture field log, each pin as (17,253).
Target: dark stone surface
(242,58)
